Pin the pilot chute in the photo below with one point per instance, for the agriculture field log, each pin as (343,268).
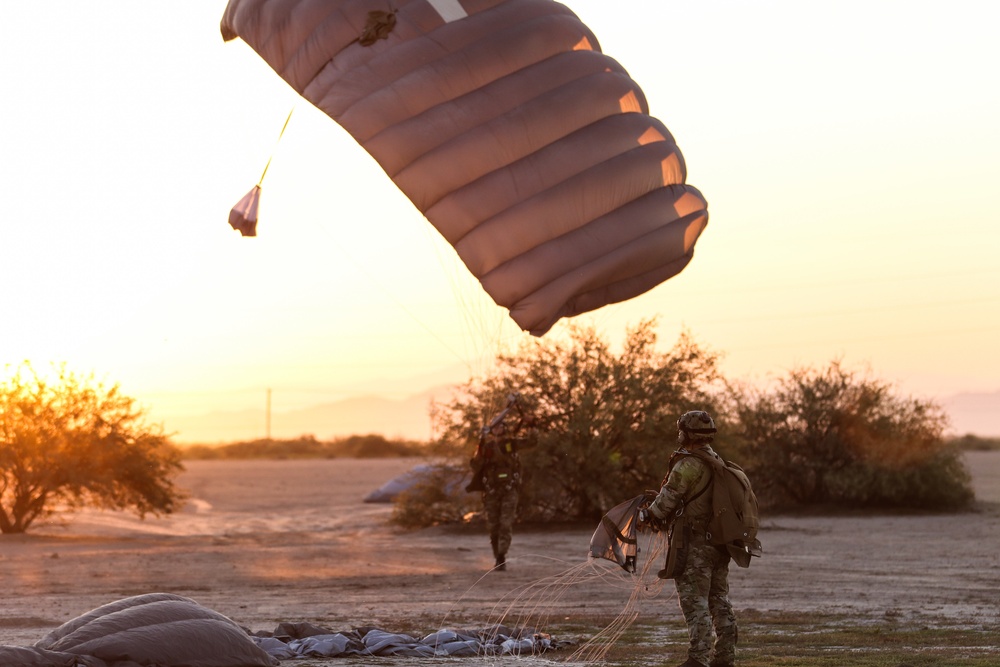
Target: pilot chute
(243,216)
(528,149)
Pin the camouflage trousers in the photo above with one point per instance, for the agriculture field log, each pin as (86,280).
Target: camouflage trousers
(703,594)
(501,508)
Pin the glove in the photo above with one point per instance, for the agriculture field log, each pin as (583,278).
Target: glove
(649,521)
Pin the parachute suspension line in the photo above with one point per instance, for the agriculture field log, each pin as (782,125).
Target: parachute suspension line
(485,325)
(528,608)
(421,323)
(531,606)
(377,282)
(361,268)
(644,584)
(280,134)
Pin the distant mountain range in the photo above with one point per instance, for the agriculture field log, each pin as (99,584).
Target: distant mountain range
(977,413)
(409,418)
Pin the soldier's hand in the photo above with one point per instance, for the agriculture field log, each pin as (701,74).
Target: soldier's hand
(648,521)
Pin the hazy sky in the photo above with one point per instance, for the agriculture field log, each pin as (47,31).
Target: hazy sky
(849,152)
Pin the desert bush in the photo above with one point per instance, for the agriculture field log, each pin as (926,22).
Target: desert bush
(975,443)
(305,446)
(308,447)
(374,446)
(836,437)
(603,424)
(72,442)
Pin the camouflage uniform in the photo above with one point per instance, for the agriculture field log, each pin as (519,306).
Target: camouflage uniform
(703,586)
(501,508)
(501,481)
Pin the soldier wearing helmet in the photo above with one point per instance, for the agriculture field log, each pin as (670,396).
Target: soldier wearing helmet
(703,580)
(497,473)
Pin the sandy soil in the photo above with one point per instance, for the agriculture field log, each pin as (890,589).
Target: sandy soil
(271,541)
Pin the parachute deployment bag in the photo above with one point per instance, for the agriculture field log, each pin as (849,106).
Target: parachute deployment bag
(735,515)
(678,540)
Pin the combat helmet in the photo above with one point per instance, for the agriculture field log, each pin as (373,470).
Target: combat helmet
(697,426)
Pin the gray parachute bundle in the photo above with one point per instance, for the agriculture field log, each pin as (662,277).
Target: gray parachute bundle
(154,629)
(166,630)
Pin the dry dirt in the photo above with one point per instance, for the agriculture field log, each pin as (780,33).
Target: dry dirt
(271,541)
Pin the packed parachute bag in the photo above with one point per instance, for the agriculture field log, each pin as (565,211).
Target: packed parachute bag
(735,513)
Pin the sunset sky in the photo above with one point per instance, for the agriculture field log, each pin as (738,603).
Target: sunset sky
(849,152)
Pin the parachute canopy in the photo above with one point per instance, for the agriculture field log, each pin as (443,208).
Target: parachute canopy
(528,149)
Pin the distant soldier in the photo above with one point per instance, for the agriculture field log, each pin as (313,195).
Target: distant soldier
(703,583)
(496,470)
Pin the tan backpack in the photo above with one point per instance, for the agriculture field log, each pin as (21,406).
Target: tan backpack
(735,515)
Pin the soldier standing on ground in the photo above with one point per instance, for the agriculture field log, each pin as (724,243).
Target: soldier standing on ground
(497,473)
(703,584)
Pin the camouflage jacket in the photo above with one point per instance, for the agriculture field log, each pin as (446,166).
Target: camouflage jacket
(687,476)
(497,465)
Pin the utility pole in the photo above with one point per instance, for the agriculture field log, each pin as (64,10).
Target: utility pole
(268,418)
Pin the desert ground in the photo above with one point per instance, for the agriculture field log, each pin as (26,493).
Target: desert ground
(266,542)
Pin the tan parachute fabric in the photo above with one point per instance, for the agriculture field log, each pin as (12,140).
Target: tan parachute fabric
(528,149)
(152,629)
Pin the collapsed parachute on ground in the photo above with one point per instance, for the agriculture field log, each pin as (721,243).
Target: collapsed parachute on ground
(153,629)
(527,148)
(452,477)
(167,630)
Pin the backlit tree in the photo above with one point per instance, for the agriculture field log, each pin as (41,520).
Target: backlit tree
(72,442)
(831,436)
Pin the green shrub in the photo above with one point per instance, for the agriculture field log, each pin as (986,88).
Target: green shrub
(374,447)
(975,443)
(834,437)
(308,447)
(438,498)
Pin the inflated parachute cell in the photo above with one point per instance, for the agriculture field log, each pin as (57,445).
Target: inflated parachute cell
(527,148)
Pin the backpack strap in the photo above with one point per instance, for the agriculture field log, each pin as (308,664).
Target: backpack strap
(677,456)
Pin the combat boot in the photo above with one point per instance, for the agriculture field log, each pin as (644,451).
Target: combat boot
(719,663)
(501,565)
(691,662)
